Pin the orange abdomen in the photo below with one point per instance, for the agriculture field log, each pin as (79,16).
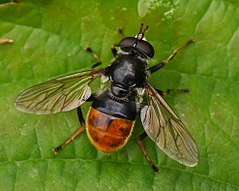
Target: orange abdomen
(107,133)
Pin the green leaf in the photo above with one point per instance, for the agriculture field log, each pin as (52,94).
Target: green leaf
(49,40)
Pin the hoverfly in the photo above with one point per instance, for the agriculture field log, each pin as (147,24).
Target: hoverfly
(111,117)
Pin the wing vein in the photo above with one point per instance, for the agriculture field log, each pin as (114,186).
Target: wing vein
(168,132)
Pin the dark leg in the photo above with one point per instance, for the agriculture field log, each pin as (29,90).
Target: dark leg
(75,134)
(80,114)
(120,31)
(168,91)
(143,149)
(113,49)
(98,61)
(163,63)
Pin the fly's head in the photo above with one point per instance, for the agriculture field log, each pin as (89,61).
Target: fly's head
(138,45)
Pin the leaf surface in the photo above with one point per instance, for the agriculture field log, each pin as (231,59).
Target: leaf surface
(49,41)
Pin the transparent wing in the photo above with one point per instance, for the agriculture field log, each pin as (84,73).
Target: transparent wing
(168,132)
(57,95)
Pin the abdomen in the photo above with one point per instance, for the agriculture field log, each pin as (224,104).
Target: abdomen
(108,133)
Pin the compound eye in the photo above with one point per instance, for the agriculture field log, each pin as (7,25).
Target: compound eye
(142,46)
(127,42)
(146,48)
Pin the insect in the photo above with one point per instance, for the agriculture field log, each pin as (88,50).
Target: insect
(111,117)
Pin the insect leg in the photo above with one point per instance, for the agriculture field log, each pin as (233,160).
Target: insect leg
(113,48)
(75,134)
(98,61)
(120,31)
(163,63)
(3,41)
(143,149)
(168,91)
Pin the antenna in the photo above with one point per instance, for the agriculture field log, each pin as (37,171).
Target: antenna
(142,31)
